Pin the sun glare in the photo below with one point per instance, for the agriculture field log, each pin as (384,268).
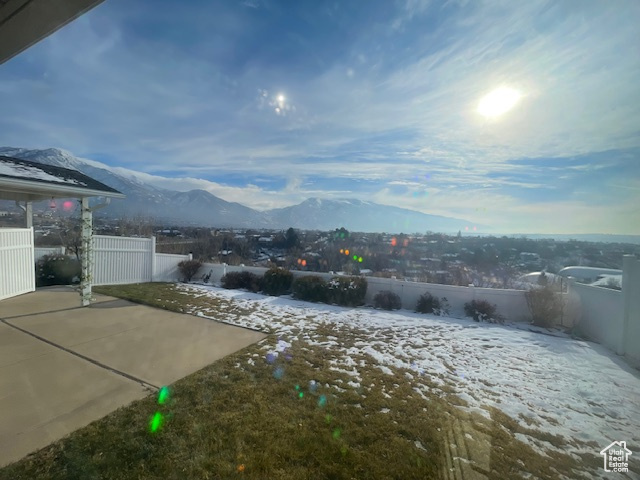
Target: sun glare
(497,102)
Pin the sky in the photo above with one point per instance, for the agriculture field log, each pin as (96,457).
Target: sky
(270,102)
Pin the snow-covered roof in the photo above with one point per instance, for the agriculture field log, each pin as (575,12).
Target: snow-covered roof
(26,180)
(587,272)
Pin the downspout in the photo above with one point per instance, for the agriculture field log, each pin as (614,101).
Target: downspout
(27,208)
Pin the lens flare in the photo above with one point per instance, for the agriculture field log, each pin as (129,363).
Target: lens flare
(394,242)
(360,259)
(346,252)
(156,422)
(163,395)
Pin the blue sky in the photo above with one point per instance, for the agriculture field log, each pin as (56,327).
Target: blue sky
(379,102)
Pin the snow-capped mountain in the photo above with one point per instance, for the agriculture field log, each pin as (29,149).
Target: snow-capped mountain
(194,207)
(200,207)
(360,216)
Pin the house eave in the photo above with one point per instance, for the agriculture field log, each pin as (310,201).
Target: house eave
(29,190)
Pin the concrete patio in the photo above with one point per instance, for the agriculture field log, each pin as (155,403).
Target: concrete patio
(63,366)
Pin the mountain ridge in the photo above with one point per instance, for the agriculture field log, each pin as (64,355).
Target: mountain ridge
(199,206)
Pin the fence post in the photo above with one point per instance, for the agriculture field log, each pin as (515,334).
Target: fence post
(153,258)
(630,275)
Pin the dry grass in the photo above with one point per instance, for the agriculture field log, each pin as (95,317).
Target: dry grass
(235,419)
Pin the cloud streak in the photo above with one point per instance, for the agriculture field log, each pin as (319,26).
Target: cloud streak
(375,99)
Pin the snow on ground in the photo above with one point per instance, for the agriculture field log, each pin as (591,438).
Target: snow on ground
(567,387)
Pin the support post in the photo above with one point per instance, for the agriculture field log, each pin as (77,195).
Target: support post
(87,252)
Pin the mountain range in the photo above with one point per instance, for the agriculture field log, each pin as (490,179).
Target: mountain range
(199,207)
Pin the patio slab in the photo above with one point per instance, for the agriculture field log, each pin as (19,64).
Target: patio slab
(43,300)
(46,393)
(47,388)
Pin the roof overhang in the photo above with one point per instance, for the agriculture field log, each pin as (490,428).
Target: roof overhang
(26,22)
(30,191)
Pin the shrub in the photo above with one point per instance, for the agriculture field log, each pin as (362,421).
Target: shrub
(310,288)
(387,300)
(482,311)
(236,280)
(188,268)
(544,305)
(428,303)
(277,281)
(347,291)
(57,270)
(613,284)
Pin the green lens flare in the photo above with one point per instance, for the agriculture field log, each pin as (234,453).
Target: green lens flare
(301,395)
(336,434)
(355,257)
(360,259)
(163,395)
(156,422)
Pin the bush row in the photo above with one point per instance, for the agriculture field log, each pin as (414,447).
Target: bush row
(543,304)
(345,291)
(427,303)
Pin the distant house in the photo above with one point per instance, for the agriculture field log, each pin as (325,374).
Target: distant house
(529,257)
(588,274)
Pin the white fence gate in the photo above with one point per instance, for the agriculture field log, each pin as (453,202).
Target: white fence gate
(17,271)
(120,260)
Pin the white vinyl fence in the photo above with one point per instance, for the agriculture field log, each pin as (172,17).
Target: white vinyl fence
(611,317)
(509,303)
(17,272)
(121,260)
(166,268)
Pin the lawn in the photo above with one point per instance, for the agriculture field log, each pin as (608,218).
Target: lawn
(337,393)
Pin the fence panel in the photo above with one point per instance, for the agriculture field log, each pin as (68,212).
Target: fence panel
(600,315)
(17,271)
(167,267)
(120,260)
